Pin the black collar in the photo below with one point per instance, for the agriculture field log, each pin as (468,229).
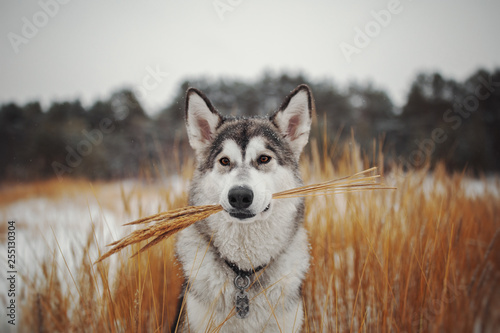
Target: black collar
(241,272)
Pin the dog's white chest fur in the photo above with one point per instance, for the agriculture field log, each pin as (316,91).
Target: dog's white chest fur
(275,303)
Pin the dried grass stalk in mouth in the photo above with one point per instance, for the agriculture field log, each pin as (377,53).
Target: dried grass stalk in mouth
(353,183)
(169,223)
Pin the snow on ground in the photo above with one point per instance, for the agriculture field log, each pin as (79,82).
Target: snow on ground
(478,187)
(58,227)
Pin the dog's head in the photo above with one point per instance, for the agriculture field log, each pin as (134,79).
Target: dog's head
(242,161)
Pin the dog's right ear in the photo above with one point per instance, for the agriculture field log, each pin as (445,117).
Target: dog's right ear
(202,119)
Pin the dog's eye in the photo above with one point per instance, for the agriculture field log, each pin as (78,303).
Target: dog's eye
(224,161)
(263,159)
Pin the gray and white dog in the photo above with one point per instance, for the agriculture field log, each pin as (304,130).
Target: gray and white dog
(244,267)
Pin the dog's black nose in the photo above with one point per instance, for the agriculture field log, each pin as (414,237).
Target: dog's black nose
(240,197)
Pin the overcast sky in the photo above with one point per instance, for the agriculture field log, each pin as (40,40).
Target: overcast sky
(88,49)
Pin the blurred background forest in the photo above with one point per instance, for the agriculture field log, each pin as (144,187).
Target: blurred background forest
(442,119)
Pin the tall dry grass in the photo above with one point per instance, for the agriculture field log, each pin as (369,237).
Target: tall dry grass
(423,258)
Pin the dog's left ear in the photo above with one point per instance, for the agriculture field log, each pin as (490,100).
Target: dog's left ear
(293,118)
(202,119)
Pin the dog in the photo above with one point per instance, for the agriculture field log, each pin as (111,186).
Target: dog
(244,267)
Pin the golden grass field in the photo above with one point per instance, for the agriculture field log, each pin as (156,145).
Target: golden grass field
(422,258)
